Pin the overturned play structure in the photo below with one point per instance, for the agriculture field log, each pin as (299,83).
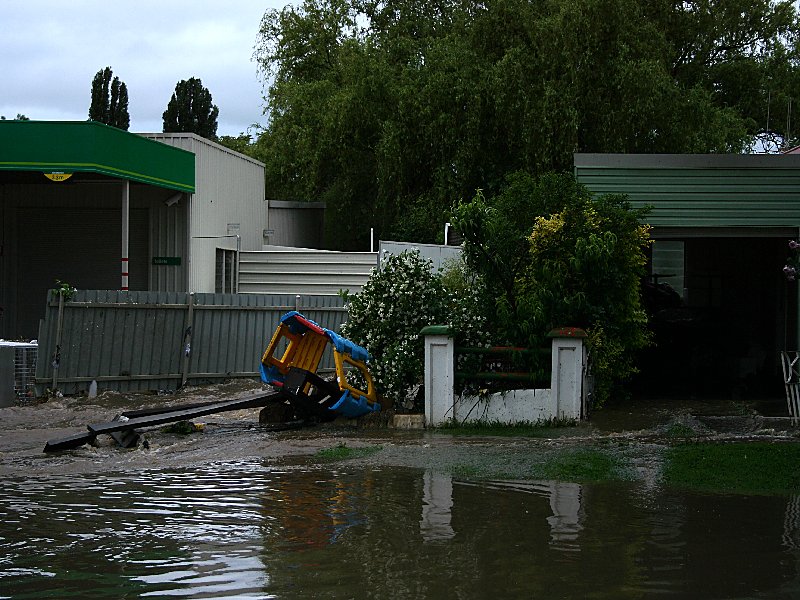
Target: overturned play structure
(302,394)
(291,361)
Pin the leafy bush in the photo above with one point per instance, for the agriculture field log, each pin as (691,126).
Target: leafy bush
(398,300)
(550,255)
(586,264)
(497,249)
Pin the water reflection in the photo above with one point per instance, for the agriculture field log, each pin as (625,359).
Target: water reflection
(243,530)
(437,503)
(565,522)
(791,523)
(564,499)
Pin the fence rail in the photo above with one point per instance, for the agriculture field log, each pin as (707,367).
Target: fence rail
(137,341)
(497,369)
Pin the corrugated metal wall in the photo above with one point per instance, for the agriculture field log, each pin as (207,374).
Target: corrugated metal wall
(229,192)
(298,271)
(168,239)
(136,341)
(441,256)
(298,224)
(701,190)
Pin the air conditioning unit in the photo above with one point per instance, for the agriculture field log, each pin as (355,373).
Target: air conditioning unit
(17,371)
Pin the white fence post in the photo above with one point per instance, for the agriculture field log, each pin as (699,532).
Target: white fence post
(439,375)
(568,368)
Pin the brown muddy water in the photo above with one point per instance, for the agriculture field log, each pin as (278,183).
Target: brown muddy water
(238,512)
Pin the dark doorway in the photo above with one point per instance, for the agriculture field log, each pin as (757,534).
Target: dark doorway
(79,246)
(734,315)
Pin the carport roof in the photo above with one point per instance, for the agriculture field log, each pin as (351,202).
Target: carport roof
(91,147)
(695,191)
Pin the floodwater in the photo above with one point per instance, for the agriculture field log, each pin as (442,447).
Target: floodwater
(254,529)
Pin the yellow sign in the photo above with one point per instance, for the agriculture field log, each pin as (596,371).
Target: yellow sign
(57,176)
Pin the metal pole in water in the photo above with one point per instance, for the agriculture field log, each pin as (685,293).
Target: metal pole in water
(57,355)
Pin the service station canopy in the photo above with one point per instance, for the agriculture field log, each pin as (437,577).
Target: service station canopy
(55,149)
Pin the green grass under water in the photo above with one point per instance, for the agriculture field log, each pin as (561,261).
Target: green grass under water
(581,465)
(484,428)
(747,468)
(343,452)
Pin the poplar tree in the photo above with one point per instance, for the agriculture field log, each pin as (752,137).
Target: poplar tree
(109,100)
(191,110)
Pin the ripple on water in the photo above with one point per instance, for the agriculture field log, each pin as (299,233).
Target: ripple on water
(247,530)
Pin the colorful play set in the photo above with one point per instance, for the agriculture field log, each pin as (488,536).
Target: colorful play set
(291,365)
(301,344)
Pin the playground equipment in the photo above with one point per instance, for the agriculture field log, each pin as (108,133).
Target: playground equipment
(290,364)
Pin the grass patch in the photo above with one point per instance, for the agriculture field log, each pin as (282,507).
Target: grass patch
(468,472)
(343,452)
(746,468)
(494,428)
(679,430)
(582,465)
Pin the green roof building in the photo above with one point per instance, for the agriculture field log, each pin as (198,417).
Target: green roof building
(722,308)
(101,208)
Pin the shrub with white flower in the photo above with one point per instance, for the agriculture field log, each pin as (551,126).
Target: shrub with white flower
(398,300)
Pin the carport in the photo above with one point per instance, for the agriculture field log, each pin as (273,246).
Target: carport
(89,205)
(721,225)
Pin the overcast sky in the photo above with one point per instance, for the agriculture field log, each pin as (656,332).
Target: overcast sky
(51,50)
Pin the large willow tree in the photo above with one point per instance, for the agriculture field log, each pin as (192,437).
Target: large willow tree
(390,111)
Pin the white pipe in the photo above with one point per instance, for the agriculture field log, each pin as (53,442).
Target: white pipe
(126,202)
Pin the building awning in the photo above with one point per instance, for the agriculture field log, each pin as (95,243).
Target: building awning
(53,147)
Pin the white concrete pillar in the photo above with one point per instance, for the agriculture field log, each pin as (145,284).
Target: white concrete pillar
(439,375)
(568,368)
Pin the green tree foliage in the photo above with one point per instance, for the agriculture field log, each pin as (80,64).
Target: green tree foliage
(586,266)
(562,258)
(109,103)
(19,117)
(390,111)
(240,143)
(496,245)
(191,110)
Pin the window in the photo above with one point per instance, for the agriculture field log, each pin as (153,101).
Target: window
(226,276)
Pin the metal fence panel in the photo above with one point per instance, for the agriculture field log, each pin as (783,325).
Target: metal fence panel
(303,271)
(137,341)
